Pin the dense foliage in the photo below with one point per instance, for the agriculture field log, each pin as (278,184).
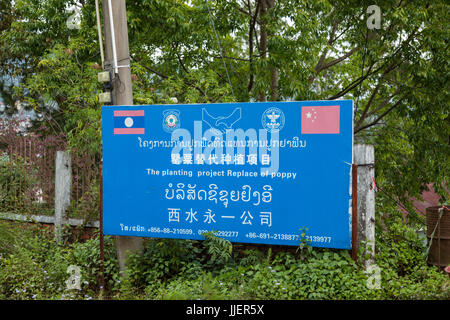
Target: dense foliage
(33,267)
(235,50)
(253,50)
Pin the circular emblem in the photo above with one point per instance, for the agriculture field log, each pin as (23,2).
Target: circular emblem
(129,122)
(273,119)
(171,120)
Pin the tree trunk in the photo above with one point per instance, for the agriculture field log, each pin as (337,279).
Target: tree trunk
(274,84)
(262,41)
(266,5)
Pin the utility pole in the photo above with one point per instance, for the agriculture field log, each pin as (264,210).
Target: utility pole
(118,63)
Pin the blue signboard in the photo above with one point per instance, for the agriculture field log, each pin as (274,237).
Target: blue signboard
(251,172)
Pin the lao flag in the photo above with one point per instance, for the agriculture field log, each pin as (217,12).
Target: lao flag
(320,120)
(129,122)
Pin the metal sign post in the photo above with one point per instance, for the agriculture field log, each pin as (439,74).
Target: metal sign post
(354,211)
(102,254)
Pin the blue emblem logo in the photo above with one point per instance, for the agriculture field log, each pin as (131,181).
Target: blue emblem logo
(171,120)
(273,119)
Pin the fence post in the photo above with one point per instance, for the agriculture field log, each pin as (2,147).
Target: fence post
(63,185)
(364,158)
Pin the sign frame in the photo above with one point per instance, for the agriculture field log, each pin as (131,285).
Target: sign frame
(173,118)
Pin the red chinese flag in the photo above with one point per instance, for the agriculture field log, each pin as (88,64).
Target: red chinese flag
(320,119)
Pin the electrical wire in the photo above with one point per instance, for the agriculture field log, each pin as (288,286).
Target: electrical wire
(432,234)
(220,49)
(100,40)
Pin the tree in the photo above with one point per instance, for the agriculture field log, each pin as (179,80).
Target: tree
(255,50)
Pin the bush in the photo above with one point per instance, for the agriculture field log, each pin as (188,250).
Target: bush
(401,256)
(33,267)
(163,259)
(87,256)
(86,207)
(313,274)
(15,181)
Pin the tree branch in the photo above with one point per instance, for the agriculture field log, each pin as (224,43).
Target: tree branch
(149,69)
(369,72)
(324,53)
(187,71)
(355,82)
(374,93)
(337,60)
(213,69)
(247,13)
(381,116)
(383,104)
(167,77)
(366,108)
(250,43)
